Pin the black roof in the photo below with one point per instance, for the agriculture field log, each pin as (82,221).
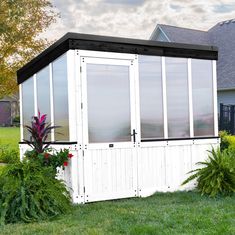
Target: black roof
(113,44)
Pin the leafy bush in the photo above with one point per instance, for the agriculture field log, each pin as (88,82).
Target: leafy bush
(29,192)
(1,169)
(217,176)
(8,155)
(227,141)
(16,121)
(223,140)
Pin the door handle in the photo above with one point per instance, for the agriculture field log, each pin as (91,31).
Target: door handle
(134,135)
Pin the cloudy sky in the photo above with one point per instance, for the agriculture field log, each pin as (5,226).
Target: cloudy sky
(136,18)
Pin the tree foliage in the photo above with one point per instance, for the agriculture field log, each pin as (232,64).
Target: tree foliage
(21,23)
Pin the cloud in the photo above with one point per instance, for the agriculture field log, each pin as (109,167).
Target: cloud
(175,7)
(128,2)
(136,18)
(224,8)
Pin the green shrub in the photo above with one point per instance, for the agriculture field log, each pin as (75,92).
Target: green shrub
(29,192)
(217,176)
(16,119)
(223,140)
(227,141)
(8,155)
(1,169)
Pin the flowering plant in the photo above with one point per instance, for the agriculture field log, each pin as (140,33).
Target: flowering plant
(56,158)
(41,152)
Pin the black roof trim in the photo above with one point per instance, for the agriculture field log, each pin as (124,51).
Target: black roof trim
(186,138)
(113,44)
(54,142)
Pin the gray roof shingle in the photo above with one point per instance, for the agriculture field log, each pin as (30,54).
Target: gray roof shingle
(184,35)
(221,35)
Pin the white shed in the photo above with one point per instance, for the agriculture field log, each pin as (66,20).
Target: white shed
(136,114)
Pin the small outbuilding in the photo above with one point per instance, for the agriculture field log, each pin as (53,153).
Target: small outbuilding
(9,111)
(136,114)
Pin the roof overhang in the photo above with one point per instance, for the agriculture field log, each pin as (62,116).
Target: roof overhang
(113,44)
(226,89)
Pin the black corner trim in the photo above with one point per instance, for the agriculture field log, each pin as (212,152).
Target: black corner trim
(114,44)
(173,139)
(55,143)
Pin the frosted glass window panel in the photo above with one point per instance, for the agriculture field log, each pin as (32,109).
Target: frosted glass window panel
(43,93)
(202,89)
(177,97)
(151,107)
(27,105)
(60,89)
(108,94)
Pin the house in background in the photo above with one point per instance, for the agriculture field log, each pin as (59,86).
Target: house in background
(9,110)
(221,35)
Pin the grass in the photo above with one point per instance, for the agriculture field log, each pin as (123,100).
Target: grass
(10,136)
(170,213)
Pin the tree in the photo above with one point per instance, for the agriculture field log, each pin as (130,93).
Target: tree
(21,23)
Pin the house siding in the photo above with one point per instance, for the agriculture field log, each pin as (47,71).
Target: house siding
(159,36)
(5,113)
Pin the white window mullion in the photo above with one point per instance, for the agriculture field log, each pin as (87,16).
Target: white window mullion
(84,102)
(215,98)
(35,94)
(137,98)
(190,94)
(164,97)
(52,101)
(71,95)
(21,114)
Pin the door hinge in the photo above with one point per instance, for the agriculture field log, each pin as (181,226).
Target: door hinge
(84,189)
(81,105)
(80,69)
(83,153)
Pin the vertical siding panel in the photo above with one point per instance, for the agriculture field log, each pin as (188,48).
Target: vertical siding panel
(110,173)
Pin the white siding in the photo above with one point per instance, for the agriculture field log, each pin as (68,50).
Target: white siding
(164,167)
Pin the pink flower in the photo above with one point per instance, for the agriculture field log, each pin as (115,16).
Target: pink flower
(65,163)
(46,155)
(70,155)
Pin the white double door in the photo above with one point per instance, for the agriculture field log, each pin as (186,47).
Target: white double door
(111,126)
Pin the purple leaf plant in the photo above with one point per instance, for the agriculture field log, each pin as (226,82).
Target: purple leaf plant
(39,131)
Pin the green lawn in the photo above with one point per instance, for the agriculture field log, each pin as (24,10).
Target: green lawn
(10,136)
(171,213)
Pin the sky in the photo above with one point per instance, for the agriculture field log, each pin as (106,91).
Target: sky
(136,18)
